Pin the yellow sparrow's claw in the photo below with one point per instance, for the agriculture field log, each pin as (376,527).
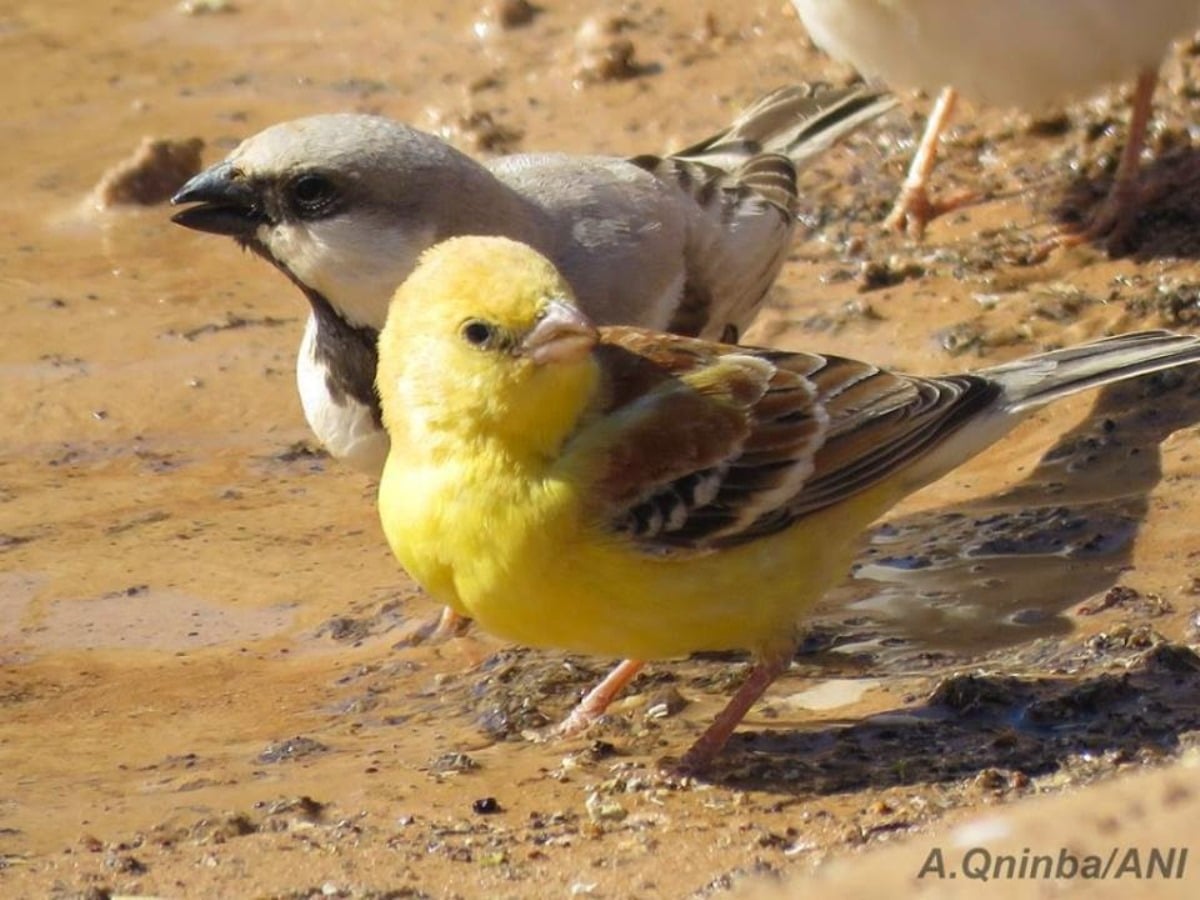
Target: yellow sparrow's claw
(447,625)
(598,699)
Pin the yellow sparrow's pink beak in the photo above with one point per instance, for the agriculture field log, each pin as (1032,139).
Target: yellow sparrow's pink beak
(563,334)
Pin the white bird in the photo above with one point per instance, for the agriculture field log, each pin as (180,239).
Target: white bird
(1017,53)
(344,205)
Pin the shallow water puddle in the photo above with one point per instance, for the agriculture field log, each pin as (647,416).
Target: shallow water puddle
(145,618)
(830,694)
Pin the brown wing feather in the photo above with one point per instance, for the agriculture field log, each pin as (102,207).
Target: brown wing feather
(698,439)
(708,445)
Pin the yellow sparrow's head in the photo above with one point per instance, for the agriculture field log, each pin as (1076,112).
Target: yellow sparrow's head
(485,336)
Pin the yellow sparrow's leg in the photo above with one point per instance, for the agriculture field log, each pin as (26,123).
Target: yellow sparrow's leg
(709,744)
(914,209)
(592,706)
(448,625)
(1118,211)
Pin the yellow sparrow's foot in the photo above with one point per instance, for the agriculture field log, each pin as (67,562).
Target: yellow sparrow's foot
(450,624)
(436,631)
(593,706)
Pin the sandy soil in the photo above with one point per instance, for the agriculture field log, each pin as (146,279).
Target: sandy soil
(205,690)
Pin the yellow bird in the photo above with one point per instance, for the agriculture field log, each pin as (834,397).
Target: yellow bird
(630,493)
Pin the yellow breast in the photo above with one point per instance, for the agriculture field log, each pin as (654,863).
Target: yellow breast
(520,557)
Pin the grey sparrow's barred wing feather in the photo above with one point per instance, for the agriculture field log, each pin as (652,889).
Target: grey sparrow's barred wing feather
(800,122)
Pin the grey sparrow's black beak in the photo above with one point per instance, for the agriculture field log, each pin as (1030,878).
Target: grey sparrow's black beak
(226,203)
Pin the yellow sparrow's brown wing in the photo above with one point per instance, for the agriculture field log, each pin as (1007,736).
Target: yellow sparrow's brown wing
(706,445)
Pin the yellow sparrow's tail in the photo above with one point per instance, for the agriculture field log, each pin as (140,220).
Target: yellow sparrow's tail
(1036,380)
(979,408)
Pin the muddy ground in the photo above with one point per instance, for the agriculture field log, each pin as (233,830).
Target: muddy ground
(205,687)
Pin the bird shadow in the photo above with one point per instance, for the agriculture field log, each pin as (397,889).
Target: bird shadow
(988,583)
(997,729)
(1003,569)
(1167,220)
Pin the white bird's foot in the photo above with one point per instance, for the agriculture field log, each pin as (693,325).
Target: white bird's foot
(913,209)
(1112,221)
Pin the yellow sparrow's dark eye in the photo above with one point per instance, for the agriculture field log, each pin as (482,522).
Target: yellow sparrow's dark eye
(477,333)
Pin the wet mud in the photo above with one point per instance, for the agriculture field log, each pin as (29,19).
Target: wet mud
(208,685)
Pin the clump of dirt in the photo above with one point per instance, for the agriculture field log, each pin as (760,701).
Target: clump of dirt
(605,50)
(156,170)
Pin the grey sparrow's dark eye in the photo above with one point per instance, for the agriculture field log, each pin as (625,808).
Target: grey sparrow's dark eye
(312,193)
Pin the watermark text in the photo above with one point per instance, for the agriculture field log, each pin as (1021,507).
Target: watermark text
(1120,863)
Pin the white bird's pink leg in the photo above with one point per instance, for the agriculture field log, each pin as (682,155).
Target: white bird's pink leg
(592,706)
(913,208)
(1117,212)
